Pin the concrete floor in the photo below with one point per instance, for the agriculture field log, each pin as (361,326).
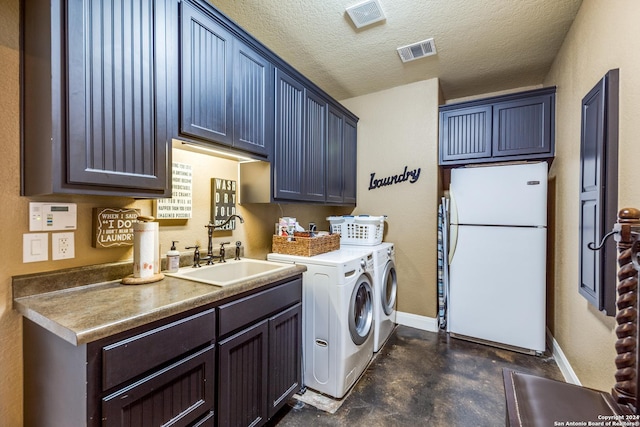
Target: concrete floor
(426,379)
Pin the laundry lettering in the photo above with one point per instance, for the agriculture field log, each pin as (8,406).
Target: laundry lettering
(407,175)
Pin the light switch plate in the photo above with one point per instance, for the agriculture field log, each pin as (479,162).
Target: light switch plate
(62,246)
(35,247)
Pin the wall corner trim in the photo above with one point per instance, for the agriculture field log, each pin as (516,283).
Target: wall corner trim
(562,361)
(415,321)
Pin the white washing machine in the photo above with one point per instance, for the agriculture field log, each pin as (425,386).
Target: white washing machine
(338,319)
(385,289)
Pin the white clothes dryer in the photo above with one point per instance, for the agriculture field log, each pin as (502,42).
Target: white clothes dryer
(338,320)
(385,288)
(385,291)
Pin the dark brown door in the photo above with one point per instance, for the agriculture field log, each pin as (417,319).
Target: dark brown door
(285,356)
(242,386)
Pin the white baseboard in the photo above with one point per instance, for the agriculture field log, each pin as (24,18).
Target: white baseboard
(415,321)
(562,361)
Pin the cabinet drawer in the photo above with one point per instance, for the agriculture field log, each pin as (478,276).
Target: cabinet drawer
(244,311)
(177,395)
(133,356)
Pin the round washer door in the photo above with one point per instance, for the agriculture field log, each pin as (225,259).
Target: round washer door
(361,310)
(389,288)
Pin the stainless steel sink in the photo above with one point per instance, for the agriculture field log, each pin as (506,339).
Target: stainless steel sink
(230,272)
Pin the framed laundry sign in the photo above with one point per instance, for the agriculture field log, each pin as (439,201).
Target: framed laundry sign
(179,205)
(223,202)
(113,227)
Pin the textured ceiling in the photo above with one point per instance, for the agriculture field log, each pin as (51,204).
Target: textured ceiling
(482,45)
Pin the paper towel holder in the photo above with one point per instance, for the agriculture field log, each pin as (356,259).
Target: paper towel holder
(157,276)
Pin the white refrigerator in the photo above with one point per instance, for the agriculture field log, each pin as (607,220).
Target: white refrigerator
(497,255)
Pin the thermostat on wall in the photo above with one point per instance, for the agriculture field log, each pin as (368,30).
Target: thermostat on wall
(52,216)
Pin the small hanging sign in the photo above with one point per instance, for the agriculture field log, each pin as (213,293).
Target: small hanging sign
(407,175)
(179,205)
(223,202)
(113,227)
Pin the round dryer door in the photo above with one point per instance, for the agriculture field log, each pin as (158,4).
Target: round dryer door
(390,288)
(361,310)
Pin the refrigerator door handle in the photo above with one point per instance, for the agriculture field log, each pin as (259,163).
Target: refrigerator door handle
(453,226)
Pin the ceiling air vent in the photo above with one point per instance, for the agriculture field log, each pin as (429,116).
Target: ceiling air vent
(417,50)
(365,13)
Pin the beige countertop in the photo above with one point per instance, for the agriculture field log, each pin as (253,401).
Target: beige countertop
(75,306)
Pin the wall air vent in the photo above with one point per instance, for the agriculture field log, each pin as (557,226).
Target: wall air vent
(417,50)
(366,13)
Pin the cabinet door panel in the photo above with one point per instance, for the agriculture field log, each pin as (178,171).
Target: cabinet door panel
(117,93)
(598,192)
(242,387)
(349,173)
(465,133)
(315,143)
(335,156)
(205,95)
(289,134)
(175,396)
(522,126)
(252,100)
(285,356)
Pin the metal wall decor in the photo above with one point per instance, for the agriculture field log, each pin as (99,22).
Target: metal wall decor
(406,175)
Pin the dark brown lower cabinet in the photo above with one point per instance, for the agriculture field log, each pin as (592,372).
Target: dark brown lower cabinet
(242,380)
(285,357)
(260,367)
(173,371)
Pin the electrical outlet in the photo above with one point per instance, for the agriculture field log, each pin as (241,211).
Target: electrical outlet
(62,246)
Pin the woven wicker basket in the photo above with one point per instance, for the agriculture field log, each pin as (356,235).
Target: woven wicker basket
(305,246)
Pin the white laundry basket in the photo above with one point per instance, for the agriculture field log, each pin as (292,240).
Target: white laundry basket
(358,230)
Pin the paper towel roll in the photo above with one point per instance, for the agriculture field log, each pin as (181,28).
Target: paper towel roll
(146,259)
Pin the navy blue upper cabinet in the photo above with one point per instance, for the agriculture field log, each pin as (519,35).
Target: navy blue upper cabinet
(314,147)
(341,158)
(253,93)
(205,78)
(97,79)
(289,138)
(512,127)
(349,164)
(465,133)
(236,94)
(314,169)
(335,156)
(226,86)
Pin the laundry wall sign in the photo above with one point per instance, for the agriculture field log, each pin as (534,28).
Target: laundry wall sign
(407,175)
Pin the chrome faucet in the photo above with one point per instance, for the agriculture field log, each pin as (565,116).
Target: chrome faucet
(210,227)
